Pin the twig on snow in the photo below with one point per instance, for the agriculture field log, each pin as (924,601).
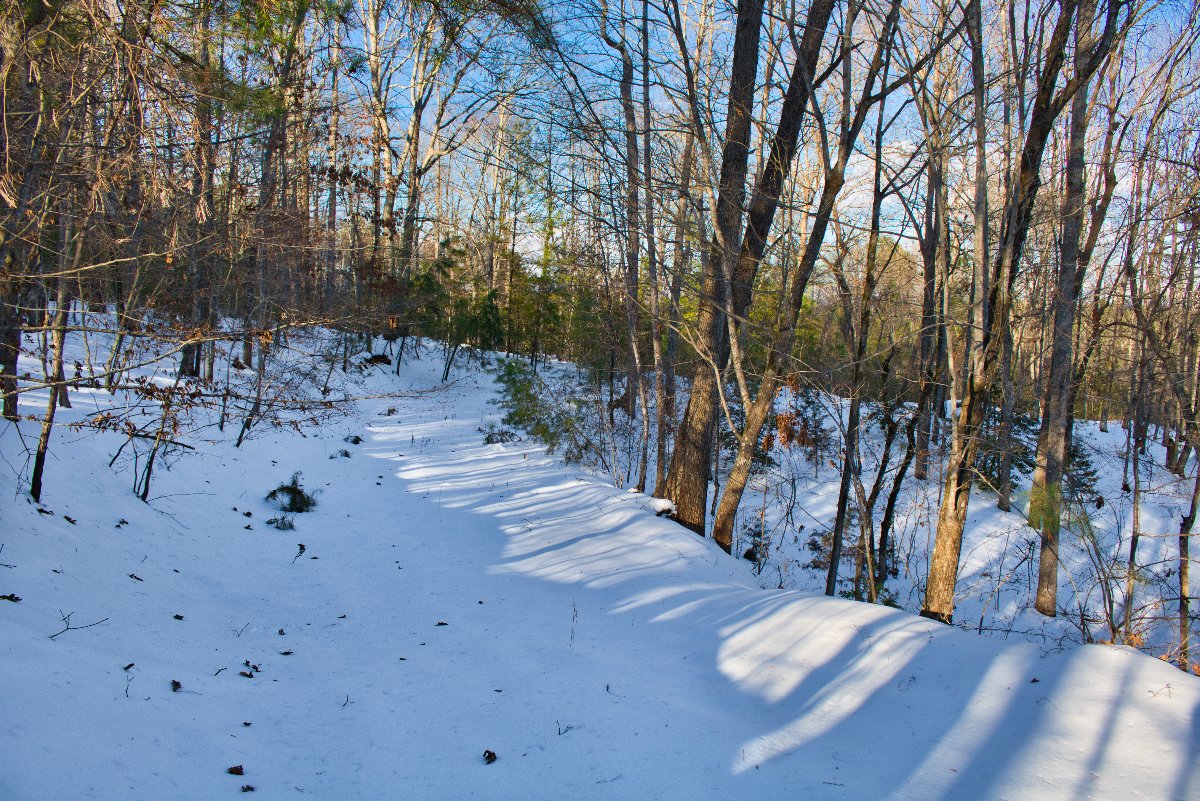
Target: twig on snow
(66,619)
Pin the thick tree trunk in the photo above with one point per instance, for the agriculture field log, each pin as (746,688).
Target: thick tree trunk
(687,480)
(682,256)
(408,232)
(202,203)
(24,118)
(952,517)
(731,284)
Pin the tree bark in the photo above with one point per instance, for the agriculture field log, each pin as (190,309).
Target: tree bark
(687,479)
(1046,494)
(778,355)
(1017,215)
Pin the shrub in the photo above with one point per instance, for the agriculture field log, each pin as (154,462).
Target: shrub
(534,407)
(1080,475)
(756,541)
(496,437)
(291,497)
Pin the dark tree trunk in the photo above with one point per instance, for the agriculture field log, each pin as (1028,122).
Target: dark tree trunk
(10,349)
(732,272)
(1008,408)
(687,480)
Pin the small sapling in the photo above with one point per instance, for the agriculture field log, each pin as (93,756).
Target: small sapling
(291,497)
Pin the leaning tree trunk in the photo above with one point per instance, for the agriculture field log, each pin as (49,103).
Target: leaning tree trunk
(687,479)
(735,269)
(1046,494)
(761,216)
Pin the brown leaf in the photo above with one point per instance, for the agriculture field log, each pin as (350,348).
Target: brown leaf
(236,770)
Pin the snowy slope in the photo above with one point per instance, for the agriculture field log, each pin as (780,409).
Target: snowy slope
(599,651)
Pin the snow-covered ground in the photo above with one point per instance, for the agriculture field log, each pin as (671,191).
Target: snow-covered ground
(454,597)
(787,513)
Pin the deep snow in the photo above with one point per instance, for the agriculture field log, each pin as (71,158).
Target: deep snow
(597,650)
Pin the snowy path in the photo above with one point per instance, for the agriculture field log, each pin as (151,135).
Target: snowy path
(599,651)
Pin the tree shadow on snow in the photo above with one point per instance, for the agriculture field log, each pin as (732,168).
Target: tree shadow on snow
(846,699)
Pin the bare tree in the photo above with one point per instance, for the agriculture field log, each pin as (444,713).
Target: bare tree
(1049,101)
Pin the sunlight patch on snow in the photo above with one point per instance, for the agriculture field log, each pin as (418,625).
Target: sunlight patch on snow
(853,674)
(660,595)
(979,719)
(772,655)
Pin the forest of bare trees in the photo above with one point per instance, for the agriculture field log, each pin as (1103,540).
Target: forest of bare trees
(963,218)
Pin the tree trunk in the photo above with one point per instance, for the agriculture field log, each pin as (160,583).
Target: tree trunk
(730,286)
(1139,439)
(930,253)
(59,337)
(843,502)
(1008,408)
(687,480)
(652,265)
(943,568)
(1185,533)
(10,349)
(783,335)
(331,219)
(1046,494)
